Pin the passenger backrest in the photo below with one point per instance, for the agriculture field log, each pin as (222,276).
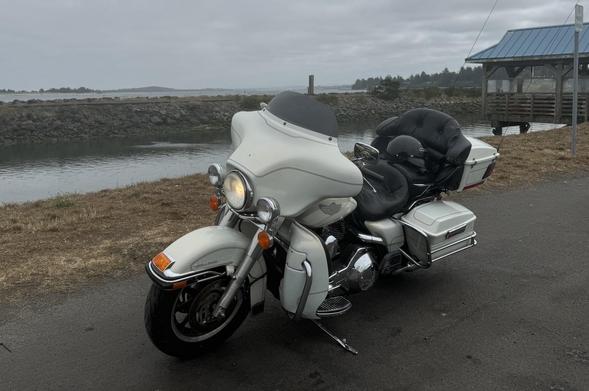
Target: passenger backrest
(438,132)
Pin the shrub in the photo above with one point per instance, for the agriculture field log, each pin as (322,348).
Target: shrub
(62,202)
(252,102)
(387,89)
(328,99)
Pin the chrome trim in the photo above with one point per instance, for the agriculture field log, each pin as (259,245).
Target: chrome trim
(430,254)
(273,207)
(348,277)
(305,295)
(363,151)
(357,254)
(416,264)
(249,192)
(369,238)
(239,277)
(474,234)
(172,279)
(331,245)
(229,217)
(216,170)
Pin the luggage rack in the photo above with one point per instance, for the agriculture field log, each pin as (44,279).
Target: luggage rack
(431,254)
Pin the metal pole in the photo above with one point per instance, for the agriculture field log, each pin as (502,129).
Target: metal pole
(578,28)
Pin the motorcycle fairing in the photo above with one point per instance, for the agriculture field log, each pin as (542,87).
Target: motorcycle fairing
(304,245)
(294,166)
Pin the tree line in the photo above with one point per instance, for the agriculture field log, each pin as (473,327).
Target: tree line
(467,77)
(62,90)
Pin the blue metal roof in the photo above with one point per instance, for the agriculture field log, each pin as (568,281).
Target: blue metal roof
(535,43)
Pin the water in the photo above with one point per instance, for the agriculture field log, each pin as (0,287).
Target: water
(177,93)
(32,172)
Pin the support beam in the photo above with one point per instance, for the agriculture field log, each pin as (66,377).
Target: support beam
(484,91)
(514,71)
(558,73)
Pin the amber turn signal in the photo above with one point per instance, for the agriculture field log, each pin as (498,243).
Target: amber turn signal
(161,262)
(179,285)
(264,240)
(214,202)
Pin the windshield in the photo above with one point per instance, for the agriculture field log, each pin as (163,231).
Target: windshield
(304,111)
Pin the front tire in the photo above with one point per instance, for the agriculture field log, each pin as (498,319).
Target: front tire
(180,322)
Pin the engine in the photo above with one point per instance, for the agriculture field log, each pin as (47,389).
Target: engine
(357,270)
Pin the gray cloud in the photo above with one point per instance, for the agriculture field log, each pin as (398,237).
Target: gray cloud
(196,44)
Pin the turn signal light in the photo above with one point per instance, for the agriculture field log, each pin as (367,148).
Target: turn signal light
(214,202)
(179,285)
(264,240)
(161,262)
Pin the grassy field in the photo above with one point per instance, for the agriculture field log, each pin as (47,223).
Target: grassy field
(65,243)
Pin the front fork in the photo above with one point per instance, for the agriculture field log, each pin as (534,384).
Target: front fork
(228,218)
(253,253)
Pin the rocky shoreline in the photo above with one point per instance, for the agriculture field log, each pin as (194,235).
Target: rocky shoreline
(78,120)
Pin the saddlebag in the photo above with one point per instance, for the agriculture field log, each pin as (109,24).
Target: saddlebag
(436,230)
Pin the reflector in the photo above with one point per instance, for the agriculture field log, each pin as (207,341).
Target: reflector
(161,262)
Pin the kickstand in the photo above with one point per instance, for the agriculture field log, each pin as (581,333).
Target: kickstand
(340,341)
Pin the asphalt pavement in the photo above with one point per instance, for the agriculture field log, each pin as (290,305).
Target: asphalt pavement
(510,314)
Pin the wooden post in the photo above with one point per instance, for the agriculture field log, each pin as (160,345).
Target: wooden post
(558,75)
(484,92)
(520,86)
(311,88)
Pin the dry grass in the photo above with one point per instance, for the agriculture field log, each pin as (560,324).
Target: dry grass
(534,157)
(61,244)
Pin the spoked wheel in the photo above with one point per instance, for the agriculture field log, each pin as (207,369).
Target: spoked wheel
(181,323)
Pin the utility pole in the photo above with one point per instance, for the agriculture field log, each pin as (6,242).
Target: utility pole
(578,28)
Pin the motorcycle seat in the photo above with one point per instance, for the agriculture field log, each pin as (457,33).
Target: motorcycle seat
(384,193)
(419,181)
(440,134)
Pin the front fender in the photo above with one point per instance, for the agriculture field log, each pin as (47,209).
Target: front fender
(199,251)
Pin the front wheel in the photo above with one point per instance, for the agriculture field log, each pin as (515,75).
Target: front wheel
(181,323)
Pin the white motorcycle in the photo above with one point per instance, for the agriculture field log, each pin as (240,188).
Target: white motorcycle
(298,218)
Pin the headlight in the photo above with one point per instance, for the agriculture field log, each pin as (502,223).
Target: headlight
(216,173)
(237,190)
(267,210)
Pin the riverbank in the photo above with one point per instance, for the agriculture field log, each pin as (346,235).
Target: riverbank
(37,121)
(65,243)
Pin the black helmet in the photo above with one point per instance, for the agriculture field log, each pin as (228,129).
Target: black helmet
(407,149)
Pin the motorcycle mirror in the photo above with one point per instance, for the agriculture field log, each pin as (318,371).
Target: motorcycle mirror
(365,151)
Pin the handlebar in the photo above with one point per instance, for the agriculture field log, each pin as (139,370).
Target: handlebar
(371,173)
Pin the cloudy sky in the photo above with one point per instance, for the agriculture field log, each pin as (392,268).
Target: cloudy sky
(245,43)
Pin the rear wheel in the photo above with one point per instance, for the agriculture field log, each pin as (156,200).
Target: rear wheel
(181,322)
